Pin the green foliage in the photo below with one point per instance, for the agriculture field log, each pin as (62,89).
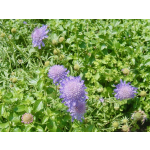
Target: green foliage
(97,50)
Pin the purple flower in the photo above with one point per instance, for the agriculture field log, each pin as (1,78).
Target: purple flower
(124,91)
(57,73)
(38,35)
(72,90)
(101,99)
(77,111)
(24,22)
(27,118)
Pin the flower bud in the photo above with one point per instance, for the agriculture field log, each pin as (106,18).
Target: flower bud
(76,67)
(2,34)
(115,124)
(54,42)
(61,39)
(13,73)
(143,93)
(137,116)
(125,71)
(116,106)
(11,85)
(47,63)
(13,30)
(89,54)
(20,61)
(56,51)
(55,57)
(124,121)
(14,80)
(125,128)
(61,57)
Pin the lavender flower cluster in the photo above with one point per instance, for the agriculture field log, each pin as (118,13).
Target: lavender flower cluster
(38,35)
(124,91)
(72,90)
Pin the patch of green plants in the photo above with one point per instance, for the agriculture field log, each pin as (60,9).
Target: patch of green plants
(102,52)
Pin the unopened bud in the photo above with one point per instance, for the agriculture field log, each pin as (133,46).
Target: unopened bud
(125,128)
(47,63)
(2,34)
(54,42)
(125,71)
(137,116)
(143,93)
(76,67)
(61,39)
(13,30)
(125,121)
(13,73)
(61,57)
(55,57)
(115,124)
(56,51)
(14,80)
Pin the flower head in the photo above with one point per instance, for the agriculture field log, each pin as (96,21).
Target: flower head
(77,111)
(124,90)
(27,118)
(24,22)
(139,116)
(38,35)
(57,73)
(101,99)
(72,90)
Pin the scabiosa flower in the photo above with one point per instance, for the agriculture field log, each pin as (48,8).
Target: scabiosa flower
(139,116)
(38,35)
(101,99)
(27,118)
(72,90)
(24,22)
(57,73)
(77,111)
(124,90)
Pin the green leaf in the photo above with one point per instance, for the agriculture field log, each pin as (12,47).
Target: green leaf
(17,130)
(2,109)
(39,129)
(103,46)
(28,127)
(45,118)
(20,108)
(38,105)
(49,90)
(97,76)
(4,125)
(147,64)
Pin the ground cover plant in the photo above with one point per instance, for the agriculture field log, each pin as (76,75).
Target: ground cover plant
(74,75)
